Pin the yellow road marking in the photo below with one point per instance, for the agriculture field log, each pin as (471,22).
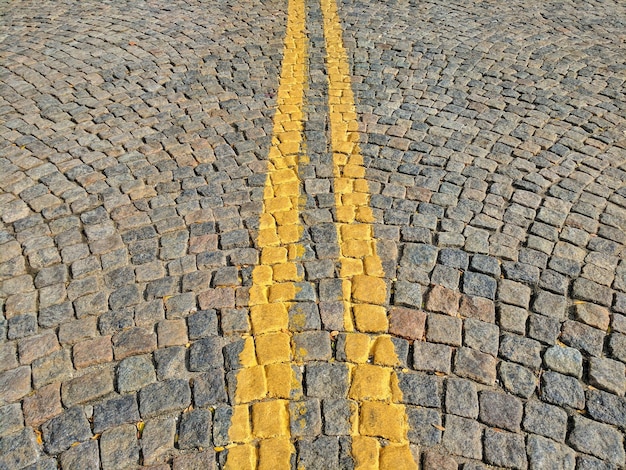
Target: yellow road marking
(374,386)
(259,430)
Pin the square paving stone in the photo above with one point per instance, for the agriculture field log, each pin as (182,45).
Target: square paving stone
(114,412)
(11,418)
(443,329)
(504,449)
(475,365)
(424,426)
(171,363)
(545,453)
(606,407)
(157,439)
(431,357)
(461,398)
(69,427)
(206,353)
(463,437)
(337,416)
(209,388)
(327,380)
(597,439)
(195,429)
(583,337)
(479,285)
(164,397)
(568,361)
(481,336)
(134,373)
(562,390)
(85,455)
(500,410)
(419,389)
(318,454)
(305,418)
(522,350)
(546,420)
(608,375)
(517,379)
(312,346)
(119,448)
(18,450)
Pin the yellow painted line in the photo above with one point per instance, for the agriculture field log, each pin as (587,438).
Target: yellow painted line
(259,431)
(373,386)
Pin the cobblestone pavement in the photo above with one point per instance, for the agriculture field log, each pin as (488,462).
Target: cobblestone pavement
(295,234)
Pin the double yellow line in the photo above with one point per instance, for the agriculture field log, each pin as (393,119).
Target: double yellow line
(268,377)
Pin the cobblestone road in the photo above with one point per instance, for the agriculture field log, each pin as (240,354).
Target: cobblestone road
(301,234)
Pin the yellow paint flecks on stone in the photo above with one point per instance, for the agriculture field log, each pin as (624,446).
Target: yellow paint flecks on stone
(395,456)
(295,251)
(298,416)
(370,382)
(370,318)
(273,347)
(275,453)
(270,419)
(386,420)
(365,451)
(241,457)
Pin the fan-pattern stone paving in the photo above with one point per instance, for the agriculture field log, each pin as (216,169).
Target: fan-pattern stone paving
(312,234)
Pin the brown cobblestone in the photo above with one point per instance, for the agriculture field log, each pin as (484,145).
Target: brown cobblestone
(44,404)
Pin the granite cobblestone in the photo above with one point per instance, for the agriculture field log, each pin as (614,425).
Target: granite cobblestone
(134,142)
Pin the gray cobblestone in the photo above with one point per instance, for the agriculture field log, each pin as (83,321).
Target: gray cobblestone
(134,162)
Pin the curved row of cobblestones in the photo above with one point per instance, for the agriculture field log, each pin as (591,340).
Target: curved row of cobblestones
(134,140)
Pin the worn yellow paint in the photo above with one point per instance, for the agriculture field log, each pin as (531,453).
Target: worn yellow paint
(270,419)
(365,451)
(240,424)
(241,457)
(370,318)
(273,348)
(266,379)
(357,347)
(275,453)
(373,387)
(370,382)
